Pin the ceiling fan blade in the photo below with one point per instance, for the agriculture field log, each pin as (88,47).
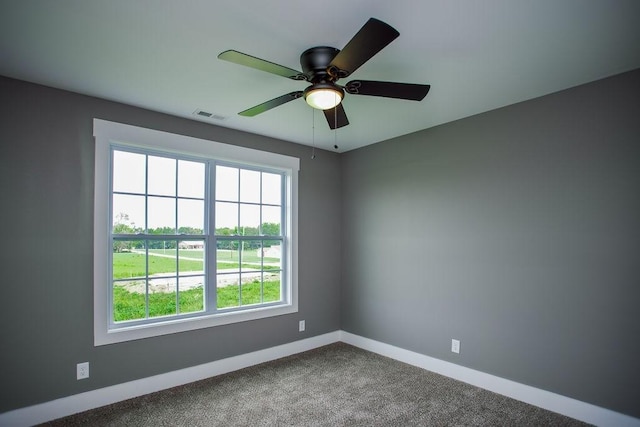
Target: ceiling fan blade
(275,102)
(336,117)
(371,39)
(410,91)
(260,64)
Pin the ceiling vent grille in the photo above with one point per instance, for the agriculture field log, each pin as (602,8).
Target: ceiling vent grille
(208,115)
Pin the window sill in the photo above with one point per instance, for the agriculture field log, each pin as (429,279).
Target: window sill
(172,326)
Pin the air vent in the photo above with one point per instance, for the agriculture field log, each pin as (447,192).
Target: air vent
(208,115)
(203,113)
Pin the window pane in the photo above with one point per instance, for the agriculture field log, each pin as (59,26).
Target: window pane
(271,189)
(226,218)
(226,183)
(162,215)
(272,254)
(190,179)
(272,288)
(128,172)
(191,257)
(251,261)
(162,285)
(191,294)
(249,219)
(129,301)
(190,216)
(251,291)
(227,256)
(161,176)
(128,214)
(162,258)
(228,291)
(165,248)
(129,260)
(162,296)
(271,220)
(249,186)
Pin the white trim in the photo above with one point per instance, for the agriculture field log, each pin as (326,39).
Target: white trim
(105,396)
(541,398)
(107,133)
(144,137)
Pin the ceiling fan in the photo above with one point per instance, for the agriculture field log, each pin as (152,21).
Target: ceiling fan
(323,66)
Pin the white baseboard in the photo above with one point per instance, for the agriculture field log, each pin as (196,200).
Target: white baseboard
(105,396)
(543,399)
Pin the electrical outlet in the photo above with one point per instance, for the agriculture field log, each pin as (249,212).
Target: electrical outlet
(82,370)
(301,326)
(455,346)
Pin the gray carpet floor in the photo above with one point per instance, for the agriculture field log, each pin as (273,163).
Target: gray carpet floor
(335,385)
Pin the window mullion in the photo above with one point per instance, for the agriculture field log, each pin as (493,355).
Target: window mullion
(211,269)
(177,241)
(146,230)
(240,232)
(261,232)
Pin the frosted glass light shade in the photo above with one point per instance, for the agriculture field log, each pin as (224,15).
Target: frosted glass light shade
(323,98)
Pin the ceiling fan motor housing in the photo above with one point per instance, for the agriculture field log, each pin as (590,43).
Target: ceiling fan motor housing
(315,62)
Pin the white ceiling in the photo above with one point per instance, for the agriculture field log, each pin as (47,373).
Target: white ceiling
(162,55)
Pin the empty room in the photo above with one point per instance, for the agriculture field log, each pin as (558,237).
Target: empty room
(320,213)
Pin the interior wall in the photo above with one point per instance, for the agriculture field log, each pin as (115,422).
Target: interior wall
(46,186)
(515,231)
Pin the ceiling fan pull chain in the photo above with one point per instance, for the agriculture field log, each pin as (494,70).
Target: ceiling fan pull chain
(335,128)
(313,133)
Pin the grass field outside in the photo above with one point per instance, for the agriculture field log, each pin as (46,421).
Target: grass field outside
(131,305)
(222,254)
(133,264)
(129,297)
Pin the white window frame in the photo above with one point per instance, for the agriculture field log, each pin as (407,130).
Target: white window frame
(108,134)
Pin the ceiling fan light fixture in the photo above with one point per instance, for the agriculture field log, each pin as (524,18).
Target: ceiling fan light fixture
(323,96)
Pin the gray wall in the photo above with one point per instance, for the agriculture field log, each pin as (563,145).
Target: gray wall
(46,284)
(516,231)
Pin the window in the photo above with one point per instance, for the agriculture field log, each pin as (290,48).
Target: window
(189,233)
